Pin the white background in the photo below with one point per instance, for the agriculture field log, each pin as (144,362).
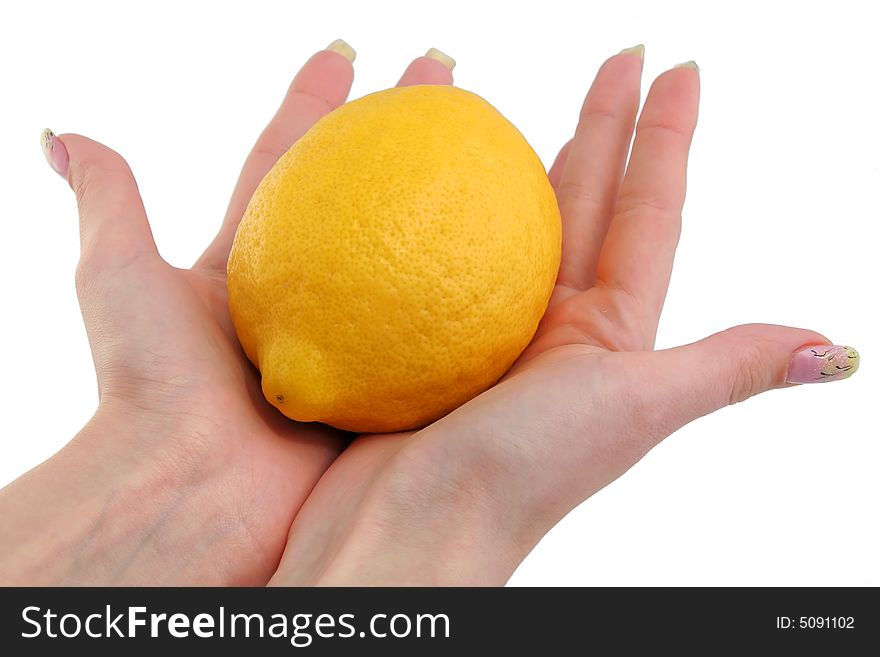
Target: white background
(781,225)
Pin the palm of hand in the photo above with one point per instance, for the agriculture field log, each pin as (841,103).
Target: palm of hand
(572,414)
(260,465)
(268,465)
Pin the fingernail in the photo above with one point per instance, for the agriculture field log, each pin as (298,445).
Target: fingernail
(441,57)
(55,152)
(691,64)
(341,47)
(821,363)
(635,50)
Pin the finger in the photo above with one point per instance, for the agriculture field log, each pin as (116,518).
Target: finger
(640,245)
(321,86)
(595,162)
(434,68)
(646,396)
(117,251)
(693,380)
(114,230)
(555,172)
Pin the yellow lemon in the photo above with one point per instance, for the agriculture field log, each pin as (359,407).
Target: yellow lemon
(396,260)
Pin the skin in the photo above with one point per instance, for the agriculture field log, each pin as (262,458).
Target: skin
(186,475)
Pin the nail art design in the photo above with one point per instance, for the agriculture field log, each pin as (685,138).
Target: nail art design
(55,152)
(822,363)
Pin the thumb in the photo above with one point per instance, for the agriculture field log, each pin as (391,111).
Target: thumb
(741,362)
(114,229)
(116,248)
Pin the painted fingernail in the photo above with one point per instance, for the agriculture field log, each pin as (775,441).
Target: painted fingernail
(635,50)
(691,64)
(441,57)
(341,47)
(55,152)
(821,363)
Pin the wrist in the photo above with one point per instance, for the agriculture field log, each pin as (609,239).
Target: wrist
(427,521)
(107,509)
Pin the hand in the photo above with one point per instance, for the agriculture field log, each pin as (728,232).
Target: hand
(465,499)
(185,475)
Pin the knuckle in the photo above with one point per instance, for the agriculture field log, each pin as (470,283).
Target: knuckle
(665,129)
(271,150)
(578,193)
(640,203)
(601,112)
(743,383)
(279,135)
(273,142)
(308,100)
(93,176)
(100,268)
(81,181)
(748,376)
(623,321)
(84,275)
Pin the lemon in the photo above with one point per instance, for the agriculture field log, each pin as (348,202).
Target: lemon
(395,261)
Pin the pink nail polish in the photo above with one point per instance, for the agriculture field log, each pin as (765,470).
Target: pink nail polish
(55,152)
(821,363)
